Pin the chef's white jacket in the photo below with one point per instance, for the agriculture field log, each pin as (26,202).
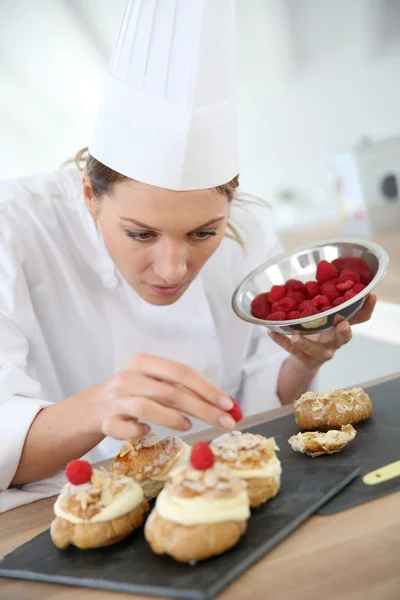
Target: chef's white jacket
(68,320)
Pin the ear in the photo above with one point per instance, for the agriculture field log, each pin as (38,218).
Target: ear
(88,194)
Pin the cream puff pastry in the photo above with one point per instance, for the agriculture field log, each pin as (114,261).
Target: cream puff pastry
(98,512)
(201,512)
(252,458)
(331,410)
(149,460)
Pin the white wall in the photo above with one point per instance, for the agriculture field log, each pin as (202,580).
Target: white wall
(314,76)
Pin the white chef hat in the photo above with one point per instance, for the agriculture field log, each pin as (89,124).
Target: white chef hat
(168,114)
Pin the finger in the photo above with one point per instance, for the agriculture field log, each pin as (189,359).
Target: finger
(140,407)
(285,342)
(176,397)
(179,374)
(343,334)
(316,350)
(365,313)
(120,428)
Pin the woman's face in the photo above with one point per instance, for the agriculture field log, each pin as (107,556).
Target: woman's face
(159,239)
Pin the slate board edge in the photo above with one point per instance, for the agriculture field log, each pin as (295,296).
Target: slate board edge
(191,593)
(324,511)
(275,540)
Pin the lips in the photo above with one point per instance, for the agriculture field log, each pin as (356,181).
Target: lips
(162,290)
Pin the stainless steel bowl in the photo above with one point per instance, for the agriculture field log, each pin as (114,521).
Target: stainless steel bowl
(301,263)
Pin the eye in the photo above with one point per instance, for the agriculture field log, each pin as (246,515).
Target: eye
(203,235)
(140,236)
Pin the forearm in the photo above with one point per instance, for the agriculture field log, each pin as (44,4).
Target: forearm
(294,379)
(61,432)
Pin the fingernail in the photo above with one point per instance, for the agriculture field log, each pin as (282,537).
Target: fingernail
(187,424)
(146,429)
(297,340)
(225,402)
(346,327)
(226,422)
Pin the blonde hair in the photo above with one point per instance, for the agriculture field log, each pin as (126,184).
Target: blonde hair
(103,180)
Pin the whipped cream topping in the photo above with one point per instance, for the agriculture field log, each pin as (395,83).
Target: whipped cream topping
(272,469)
(180,459)
(248,455)
(193,496)
(110,496)
(199,510)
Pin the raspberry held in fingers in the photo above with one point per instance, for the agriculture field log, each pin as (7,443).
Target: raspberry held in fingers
(236,412)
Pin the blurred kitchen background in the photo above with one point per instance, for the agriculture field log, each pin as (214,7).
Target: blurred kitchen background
(319,110)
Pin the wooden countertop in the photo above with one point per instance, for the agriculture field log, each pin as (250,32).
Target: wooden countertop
(353,555)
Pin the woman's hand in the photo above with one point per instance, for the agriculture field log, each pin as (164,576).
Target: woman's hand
(312,351)
(161,391)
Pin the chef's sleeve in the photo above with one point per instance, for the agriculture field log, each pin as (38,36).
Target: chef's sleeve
(20,399)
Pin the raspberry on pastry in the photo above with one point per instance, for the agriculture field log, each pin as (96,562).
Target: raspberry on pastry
(200,513)
(149,460)
(103,510)
(253,459)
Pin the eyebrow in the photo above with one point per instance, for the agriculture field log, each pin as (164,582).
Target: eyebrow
(148,227)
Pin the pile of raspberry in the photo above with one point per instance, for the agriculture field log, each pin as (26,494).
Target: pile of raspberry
(336,282)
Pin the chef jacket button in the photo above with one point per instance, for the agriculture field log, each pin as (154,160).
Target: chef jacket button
(110,281)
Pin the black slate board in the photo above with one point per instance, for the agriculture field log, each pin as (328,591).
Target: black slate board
(376,444)
(130,566)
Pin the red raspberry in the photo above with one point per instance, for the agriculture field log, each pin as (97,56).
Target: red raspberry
(293,285)
(202,456)
(293,314)
(359,287)
(312,289)
(298,297)
(338,301)
(309,312)
(320,302)
(260,307)
(366,277)
(329,290)
(326,271)
(350,262)
(349,295)
(284,305)
(347,275)
(345,285)
(78,471)
(277,293)
(277,316)
(306,305)
(236,411)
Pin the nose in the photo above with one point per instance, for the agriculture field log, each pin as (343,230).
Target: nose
(170,262)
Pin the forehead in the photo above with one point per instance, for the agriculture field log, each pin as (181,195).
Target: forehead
(163,208)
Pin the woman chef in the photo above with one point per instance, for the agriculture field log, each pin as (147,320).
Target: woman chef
(116,284)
